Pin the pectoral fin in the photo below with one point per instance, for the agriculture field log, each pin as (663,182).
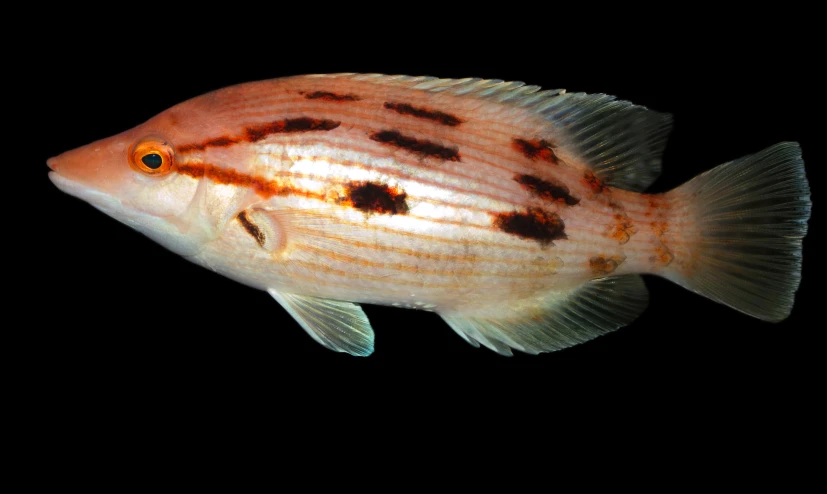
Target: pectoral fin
(339,326)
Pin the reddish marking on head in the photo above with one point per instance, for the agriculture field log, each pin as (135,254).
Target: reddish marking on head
(421,147)
(594,183)
(252,228)
(535,224)
(622,230)
(536,149)
(372,197)
(436,116)
(325,96)
(369,197)
(602,266)
(547,190)
(260,185)
(187,148)
(258,132)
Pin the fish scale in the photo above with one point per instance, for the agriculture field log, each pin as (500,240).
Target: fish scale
(514,213)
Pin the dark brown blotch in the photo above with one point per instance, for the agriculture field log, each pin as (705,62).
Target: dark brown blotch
(420,147)
(252,228)
(326,96)
(372,197)
(425,113)
(547,190)
(258,132)
(293,125)
(536,149)
(534,223)
(220,142)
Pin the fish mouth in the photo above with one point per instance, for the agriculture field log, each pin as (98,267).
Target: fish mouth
(157,228)
(52,164)
(80,191)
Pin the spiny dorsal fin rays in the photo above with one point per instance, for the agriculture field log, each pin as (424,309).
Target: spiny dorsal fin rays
(622,143)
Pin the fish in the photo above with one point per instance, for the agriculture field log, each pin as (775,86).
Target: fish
(515,213)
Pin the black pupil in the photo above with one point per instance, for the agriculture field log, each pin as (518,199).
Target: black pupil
(153,161)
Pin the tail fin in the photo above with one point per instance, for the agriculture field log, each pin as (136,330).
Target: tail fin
(752,217)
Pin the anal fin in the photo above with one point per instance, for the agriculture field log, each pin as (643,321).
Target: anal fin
(340,326)
(555,320)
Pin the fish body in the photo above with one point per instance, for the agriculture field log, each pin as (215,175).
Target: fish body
(515,213)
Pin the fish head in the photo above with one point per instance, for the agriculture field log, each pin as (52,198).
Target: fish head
(131,177)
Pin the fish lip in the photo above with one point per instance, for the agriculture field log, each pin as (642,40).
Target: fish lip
(96,198)
(52,164)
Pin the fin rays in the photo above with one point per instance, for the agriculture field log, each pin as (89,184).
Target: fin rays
(558,321)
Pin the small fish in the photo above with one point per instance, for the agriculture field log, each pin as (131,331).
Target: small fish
(515,213)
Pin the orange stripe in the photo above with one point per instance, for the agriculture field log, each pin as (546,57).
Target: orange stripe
(428,255)
(433,238)
(414,269)
(362,276)
(228,176)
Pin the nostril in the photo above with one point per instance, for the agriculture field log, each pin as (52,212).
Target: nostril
(52,163)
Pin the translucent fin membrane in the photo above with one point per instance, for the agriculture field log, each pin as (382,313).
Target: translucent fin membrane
(623,143)
(556,321)
(752,215)
(339,326)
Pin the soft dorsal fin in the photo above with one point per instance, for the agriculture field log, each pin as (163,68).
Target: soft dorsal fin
(621,142)
(340,326)
(556,321)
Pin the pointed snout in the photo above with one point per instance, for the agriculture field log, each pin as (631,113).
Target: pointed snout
(53,164)
(97,165)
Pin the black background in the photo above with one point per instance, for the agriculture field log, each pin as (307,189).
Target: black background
(123,313)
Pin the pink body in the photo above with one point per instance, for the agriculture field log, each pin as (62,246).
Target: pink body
(446,250)
(398,191)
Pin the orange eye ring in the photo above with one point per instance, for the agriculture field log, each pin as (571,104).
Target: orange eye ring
(152,156)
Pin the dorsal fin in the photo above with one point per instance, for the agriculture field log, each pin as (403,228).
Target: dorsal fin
(621,142)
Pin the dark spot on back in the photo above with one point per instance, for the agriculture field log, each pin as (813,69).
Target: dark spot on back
(325,96)
(436,116)
(547,190)
(252,228)
(221,142)
(377,198)
(421,147)
(258,132)
(535,224)
(304,124)
(536,149)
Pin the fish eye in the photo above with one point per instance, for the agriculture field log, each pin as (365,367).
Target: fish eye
(153,160)
(152,156)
